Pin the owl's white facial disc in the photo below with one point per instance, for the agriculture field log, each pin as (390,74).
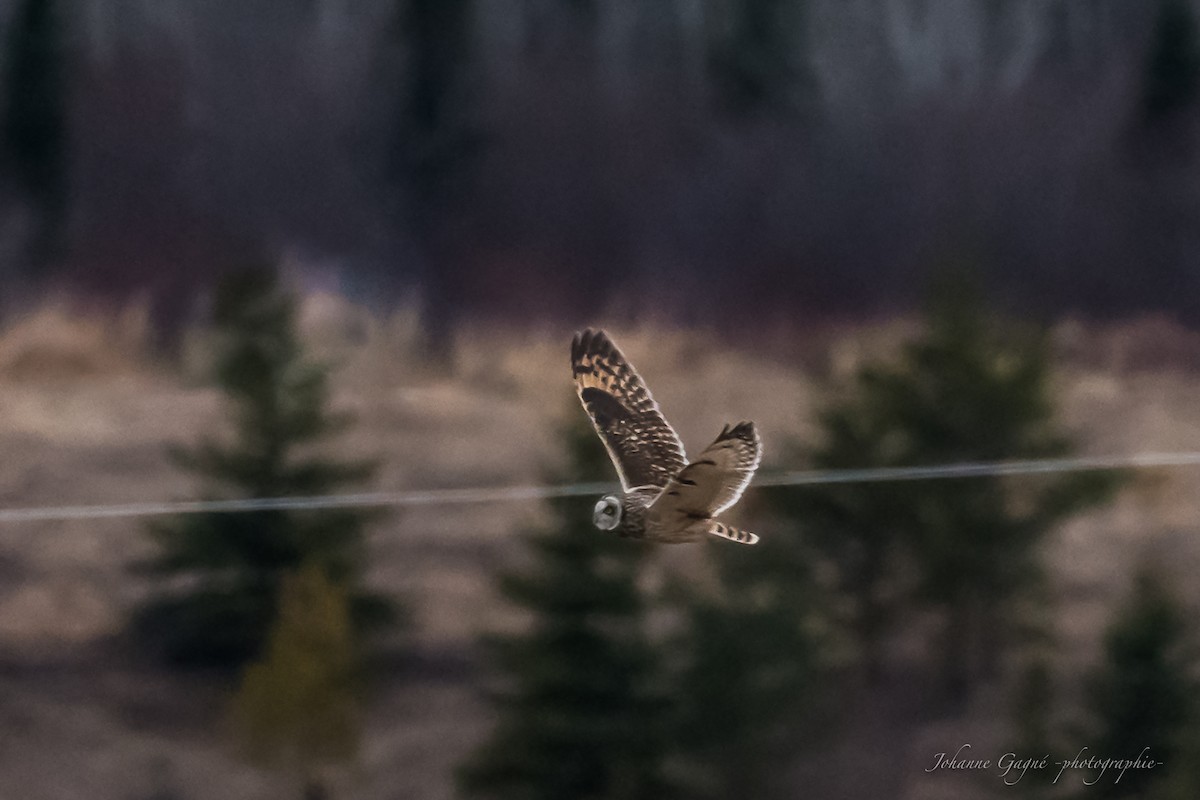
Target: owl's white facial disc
(608,513)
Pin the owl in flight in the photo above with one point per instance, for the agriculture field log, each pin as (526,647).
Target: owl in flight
(663,497)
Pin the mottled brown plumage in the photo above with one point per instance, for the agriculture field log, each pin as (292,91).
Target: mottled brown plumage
(644,448)
(664,498)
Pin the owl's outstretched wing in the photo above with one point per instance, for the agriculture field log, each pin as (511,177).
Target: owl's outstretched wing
(644,448)
(715,480)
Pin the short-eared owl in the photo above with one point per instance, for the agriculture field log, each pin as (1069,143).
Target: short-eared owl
(664,498)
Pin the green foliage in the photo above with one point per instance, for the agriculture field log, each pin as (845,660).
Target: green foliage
(972,389)
(751,672)
(35,113)
(298,708)
(854,526)
(1173,70)
(226,568)
(1143,694)
(581,714)
(1033,709)
(969,389)
(1182,778)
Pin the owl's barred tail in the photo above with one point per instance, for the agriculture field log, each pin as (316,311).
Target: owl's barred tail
(732,534)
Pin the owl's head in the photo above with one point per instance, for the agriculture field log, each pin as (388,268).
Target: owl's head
(608,512)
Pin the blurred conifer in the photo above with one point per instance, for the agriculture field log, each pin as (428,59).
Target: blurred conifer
(971,388)
(752,670)
(220,573)
(1033,707)
(298,709)
(854,526)
(976,388)
(1144,692)
(580,709)
(1181,778)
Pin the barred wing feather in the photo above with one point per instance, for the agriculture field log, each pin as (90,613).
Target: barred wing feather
(644,448)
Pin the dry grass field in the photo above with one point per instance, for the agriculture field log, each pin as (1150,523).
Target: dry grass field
(85,417)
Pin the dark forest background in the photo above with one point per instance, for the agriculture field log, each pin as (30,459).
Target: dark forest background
(702,159)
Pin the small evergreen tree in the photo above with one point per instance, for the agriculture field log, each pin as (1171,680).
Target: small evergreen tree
(298,709)
(580,714)
(976,389)
(1144,693)
(225,569)
(854,526)
(969,389)
(751,672)
(1182,779)
(35,117)
(1033,716)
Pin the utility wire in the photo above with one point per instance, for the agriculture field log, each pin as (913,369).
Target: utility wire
(979,469)
(448,497)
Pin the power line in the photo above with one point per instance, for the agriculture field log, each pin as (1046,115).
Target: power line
(979,469)
(252,504)
(526,493)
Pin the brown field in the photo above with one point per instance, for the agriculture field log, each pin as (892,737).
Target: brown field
(85,416)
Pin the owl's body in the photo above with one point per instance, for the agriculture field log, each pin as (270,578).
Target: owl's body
(635,504)
(664,498)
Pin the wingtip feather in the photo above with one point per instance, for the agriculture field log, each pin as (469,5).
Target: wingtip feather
(742,430)
(590,341)
(577,345)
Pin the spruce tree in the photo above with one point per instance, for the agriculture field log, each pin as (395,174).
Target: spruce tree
(1182,779)
(854,526)
(752,670)
(971,388)
(221,572)
(976,388)
(1036,735)
(580,712)
(1144,693)
(298,709)
(35,118)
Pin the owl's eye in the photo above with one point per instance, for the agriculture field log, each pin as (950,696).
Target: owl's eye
(610,510)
